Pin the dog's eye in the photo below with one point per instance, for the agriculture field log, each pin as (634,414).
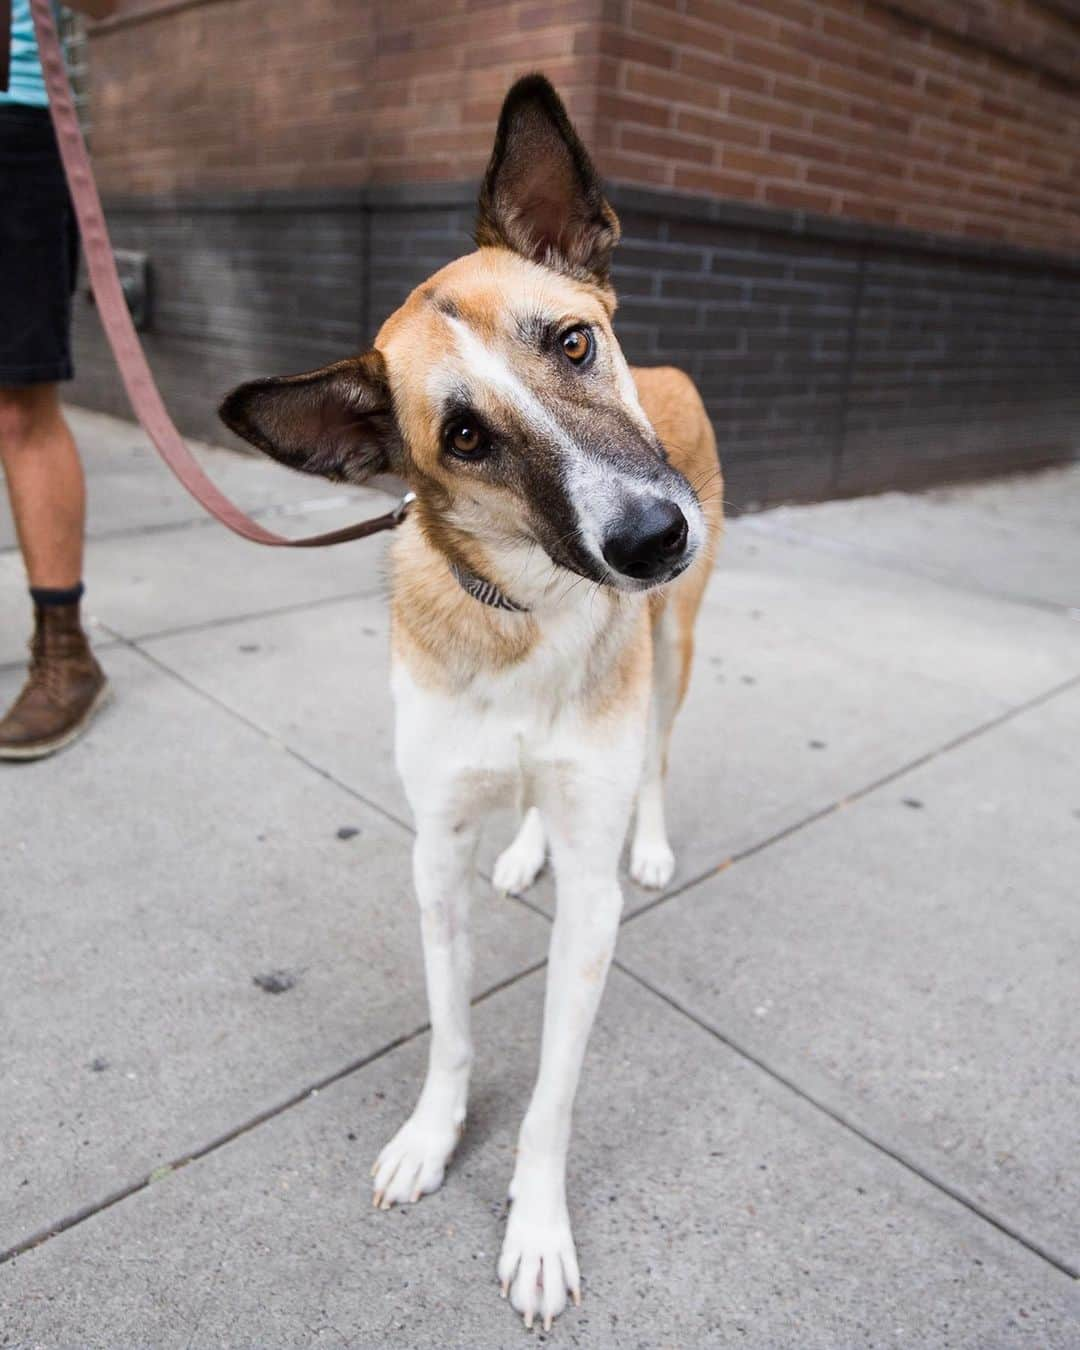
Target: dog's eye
(466,438)
(577,345)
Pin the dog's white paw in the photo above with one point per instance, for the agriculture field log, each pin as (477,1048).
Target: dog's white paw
(538,1264)
(518,866)
(413,1163)
(652,863)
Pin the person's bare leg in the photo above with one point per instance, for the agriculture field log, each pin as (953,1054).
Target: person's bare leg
(65,686)
(45,485)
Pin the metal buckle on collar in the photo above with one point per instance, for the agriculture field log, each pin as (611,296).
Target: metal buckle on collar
(399,512)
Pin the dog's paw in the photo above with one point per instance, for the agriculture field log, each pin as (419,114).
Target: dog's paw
(413,1163)
(538,1264)
(518,866)
(652,863)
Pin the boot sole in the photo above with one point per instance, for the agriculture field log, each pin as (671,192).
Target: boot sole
(42,749)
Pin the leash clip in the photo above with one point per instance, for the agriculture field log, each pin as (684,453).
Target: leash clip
(402,507)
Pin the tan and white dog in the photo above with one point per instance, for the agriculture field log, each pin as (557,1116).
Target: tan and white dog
(543,594)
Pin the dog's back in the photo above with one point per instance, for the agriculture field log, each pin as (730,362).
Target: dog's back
(674,407)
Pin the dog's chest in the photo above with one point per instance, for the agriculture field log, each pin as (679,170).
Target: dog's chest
(555,678)
(558,704)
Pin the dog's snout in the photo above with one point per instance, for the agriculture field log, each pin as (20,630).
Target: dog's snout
(648,539)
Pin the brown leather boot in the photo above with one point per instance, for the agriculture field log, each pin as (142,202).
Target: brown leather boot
(66,687)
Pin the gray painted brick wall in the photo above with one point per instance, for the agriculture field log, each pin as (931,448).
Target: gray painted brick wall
(831,361)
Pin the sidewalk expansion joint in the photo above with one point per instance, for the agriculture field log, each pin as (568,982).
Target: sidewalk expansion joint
(202,518)
(973,733)
(1002,1225)
(248,1126)
(225,620)
(196,522)
(891,562)
(199,692)
(1059,1263)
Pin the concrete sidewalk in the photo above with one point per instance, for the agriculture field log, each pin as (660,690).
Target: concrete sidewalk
(834,1093)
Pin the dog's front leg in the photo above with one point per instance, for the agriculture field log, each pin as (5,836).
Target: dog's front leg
(538,1264)
(414,1161)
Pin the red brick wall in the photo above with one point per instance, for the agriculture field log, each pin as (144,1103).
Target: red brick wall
(1035,32)
(223,94)
(443,66)
(957,116)
(242,93)
(845,108)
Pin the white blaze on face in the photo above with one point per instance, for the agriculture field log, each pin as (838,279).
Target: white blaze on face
(629,394)
(597,488)
(489,367)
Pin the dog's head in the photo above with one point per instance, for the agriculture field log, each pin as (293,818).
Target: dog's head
(498,390)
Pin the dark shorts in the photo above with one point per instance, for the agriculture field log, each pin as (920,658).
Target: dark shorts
(39,251)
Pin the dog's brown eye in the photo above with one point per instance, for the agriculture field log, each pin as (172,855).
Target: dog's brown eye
(576,345)
(465,438)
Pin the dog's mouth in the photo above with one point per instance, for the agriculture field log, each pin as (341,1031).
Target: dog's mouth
(591,567)
(639,585)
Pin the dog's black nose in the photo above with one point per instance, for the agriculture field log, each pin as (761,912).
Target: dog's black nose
(650,537)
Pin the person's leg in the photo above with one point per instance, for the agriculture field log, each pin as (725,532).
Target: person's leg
(45,485)
(44,478)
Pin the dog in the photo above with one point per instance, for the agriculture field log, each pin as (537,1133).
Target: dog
(543,595)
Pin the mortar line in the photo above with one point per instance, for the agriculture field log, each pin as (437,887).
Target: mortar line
(80,1216)
(859,793)
(1059,1263)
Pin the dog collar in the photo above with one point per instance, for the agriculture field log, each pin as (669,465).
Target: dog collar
(484,591)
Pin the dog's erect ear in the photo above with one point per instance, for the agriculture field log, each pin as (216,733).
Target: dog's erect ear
(337,422)
(541,195)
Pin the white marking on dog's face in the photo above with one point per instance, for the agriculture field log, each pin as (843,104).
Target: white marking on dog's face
(552,450)
(488,368)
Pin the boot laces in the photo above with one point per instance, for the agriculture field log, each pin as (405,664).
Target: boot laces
(46,673)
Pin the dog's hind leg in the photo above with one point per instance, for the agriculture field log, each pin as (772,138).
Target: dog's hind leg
(652,862)
(517,866)
(414,1161)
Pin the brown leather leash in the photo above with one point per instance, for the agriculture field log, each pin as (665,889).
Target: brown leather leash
(142,392)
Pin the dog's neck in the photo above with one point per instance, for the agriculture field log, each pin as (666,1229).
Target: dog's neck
(529,582)
(452,637)
(486,592)
(500,569)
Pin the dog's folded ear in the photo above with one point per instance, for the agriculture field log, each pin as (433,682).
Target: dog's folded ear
(541,195)
(337,422)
